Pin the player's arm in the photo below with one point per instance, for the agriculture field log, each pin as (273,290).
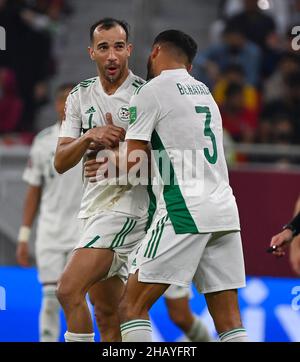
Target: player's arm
(130,154)
(72,145)
(291,230)
(144,114)
(31,206)
(33,175)
(69,152)
(295,245)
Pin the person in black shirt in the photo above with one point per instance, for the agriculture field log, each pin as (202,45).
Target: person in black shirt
(289,236)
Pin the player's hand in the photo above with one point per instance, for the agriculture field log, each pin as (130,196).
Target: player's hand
(22,254)
(96,147)
(107,136)
(281,240)
(95,170)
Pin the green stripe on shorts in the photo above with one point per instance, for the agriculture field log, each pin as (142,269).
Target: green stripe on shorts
(120,237)
(155,238)
(128,231)
(159,237)
(88,245)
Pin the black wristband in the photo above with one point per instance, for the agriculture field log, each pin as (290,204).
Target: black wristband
(294,225)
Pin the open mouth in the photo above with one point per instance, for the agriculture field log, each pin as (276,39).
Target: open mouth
(112,70)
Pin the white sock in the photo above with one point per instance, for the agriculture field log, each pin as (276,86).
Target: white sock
(235,335)
(49,321)
(198,332)
(79,337)
(138,330)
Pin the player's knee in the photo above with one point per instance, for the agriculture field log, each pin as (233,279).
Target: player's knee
(66,294)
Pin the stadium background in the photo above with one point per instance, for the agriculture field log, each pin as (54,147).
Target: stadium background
(46,43)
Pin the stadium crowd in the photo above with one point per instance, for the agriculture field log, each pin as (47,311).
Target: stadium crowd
(250,66)
(34,32)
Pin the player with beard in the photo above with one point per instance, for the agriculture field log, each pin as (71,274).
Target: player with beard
(113,217)
(194,235)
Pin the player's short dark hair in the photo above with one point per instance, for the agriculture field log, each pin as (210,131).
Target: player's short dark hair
(63,87)
(179,40)
(108,23)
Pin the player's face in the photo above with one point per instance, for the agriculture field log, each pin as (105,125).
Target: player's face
(110,51)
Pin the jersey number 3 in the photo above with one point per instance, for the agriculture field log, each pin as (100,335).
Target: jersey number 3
(209,133)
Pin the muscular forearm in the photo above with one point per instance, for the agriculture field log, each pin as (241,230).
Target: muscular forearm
(31,205)
(130,153)
(68,154)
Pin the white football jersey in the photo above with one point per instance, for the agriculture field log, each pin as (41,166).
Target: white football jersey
(86,107)
(57,227)
(180,118)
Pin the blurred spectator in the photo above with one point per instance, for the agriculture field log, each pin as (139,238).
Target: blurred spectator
(288,105)
(264,131)
(283,131)
(295,13)
(234,73)
(29,42)
(280,10)
(10,103)
(274,86)
(259,28)
(239,121)
(234,49)
(254,24)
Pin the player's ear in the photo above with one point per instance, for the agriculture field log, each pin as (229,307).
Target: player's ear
(189,67)
(129,48)
(155,51)
(91,53)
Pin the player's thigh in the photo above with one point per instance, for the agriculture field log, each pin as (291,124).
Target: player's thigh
(113,231)
(85,267)
(221,266)
(105,295)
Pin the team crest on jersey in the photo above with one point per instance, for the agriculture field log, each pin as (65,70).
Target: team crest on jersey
(123,114)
